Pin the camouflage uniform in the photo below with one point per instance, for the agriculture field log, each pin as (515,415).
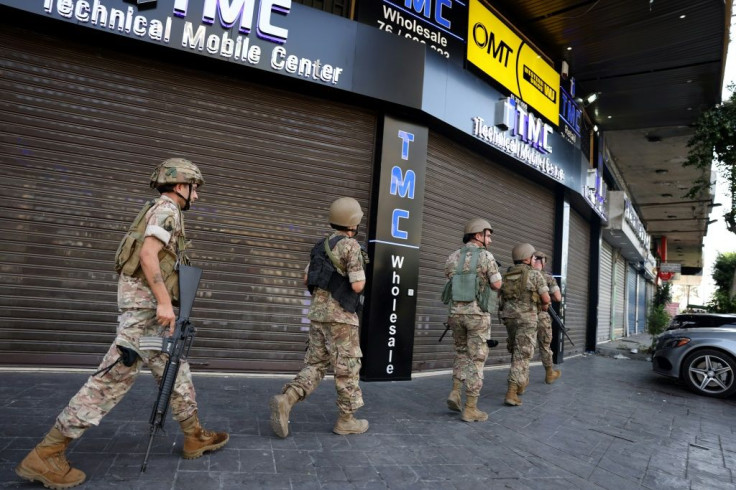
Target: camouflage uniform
(520,318)
(334,338)
(544,325)
(137,304)
(471,327)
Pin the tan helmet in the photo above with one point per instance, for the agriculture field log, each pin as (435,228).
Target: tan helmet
(477,225)
(345,212)
(540,255)
(522,251)
(176,171)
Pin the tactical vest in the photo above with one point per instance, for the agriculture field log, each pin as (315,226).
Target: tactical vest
(128,260)
(468,286)
(514,284)
(326,272)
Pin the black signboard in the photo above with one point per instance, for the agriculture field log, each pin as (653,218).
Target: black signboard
(440,24)
(387,333)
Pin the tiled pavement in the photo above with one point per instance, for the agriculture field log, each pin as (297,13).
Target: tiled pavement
(607,423)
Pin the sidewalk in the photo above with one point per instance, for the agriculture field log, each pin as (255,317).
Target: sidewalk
(632,347)
(606,423)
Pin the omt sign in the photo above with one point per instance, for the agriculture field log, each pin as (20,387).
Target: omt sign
(504,56)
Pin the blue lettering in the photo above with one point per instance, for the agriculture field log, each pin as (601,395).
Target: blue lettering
(403,185)
(438,13)
(395,217)
(406,138)
(419,5)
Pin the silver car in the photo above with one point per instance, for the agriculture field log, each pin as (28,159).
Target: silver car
(700,350)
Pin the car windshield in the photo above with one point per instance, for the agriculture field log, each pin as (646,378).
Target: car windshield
(702,321)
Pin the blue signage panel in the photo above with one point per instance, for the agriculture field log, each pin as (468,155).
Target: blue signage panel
(272,35)
(387,333)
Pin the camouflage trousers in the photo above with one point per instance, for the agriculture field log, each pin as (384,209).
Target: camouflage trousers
(338,345)
(522,337)
(102,392)
(544,338)
(469,333)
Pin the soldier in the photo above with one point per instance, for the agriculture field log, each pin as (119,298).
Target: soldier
(523,294)
(336,278)
(147,291)
(472,273)
(544,326)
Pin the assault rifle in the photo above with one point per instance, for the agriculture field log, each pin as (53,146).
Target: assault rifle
(556,318)
(177,347)
(490,342)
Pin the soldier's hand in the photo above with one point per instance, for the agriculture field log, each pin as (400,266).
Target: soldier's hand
(166,317)
(545,306)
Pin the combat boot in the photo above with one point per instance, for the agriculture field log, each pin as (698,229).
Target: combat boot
(552,375)
(281,406)
(521,388)
(454,401)
(347,424)
(511,395)
(471,412)
(198,440)
(47,464)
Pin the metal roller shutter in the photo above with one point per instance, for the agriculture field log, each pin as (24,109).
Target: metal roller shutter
(605,294)
(83,128)
(461,185)
(576,295)
(631,300)
(619,295)
(641,312)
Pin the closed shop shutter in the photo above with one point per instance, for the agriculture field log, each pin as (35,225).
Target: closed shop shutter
(576,296)
(619,296)
(605,295)
(631,299)
(641,313)
(83,126)
(461,185)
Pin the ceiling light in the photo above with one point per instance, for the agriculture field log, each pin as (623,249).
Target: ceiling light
(609,117)
(683,16)
(591,98)
(595,128)
(569,48)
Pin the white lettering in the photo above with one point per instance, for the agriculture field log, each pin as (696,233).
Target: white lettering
(81,11)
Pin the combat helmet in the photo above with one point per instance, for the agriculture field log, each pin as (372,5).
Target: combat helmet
(477,225)
(176,171)
(522,251)
(345,213)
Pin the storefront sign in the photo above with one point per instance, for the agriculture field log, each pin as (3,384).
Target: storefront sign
(440,24)
(636,225)
(271,35)
(500,53)
(596,193)
(670,267)
(387,332)
(571,118)
(517,131)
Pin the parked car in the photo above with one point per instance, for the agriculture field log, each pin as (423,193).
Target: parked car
(700,350)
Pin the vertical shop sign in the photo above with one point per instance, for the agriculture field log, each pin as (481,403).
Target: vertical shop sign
(387,333)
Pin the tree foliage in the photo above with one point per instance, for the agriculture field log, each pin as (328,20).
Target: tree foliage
(714,141)
(723,271)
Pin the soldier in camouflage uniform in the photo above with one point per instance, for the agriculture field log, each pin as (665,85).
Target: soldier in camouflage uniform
(470,320)
(147,292)
(544,326)
(335,276)
(523,295)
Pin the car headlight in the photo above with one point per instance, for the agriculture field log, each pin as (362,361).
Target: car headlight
(674,342)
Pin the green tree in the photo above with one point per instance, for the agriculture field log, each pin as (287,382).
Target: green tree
(658,318)
(714,141)
(723,271)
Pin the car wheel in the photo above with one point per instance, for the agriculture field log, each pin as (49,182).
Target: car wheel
(710,372)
